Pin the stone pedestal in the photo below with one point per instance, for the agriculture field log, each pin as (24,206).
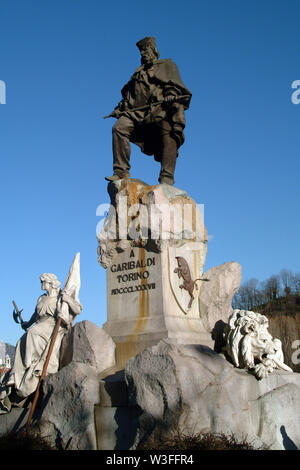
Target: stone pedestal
(153,246)
(146,304)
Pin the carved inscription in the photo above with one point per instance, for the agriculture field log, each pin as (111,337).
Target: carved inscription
(137,271)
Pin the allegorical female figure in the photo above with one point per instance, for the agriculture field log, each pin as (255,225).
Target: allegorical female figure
(33,346)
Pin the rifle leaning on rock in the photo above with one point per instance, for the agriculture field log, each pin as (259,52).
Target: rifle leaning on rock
(143,108)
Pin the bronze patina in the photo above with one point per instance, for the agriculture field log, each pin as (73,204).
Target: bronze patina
(150,114)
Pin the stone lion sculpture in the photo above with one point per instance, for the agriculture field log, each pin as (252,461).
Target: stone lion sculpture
(250,345)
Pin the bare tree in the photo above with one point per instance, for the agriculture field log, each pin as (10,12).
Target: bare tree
(272,288)
(290,281)
(287,278)
(296,286)
(253,293)
(248,296)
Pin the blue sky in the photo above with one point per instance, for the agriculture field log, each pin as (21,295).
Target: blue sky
(64,63)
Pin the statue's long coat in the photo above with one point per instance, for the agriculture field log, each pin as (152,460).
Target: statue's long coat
(164,79)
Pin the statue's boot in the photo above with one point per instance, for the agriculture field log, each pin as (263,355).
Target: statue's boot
(166,180)
(116,176)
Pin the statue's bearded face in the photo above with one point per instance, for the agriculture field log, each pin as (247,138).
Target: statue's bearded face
(147,54)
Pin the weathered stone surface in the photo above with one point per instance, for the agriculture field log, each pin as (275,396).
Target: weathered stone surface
(116,422)
(153,386)
(152,217)
(153,245)
(167,386)
(215,298)
(148,303)
(88,344)
(200,391)
(69,396)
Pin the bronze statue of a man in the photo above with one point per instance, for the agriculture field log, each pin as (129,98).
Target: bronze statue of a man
(150,114)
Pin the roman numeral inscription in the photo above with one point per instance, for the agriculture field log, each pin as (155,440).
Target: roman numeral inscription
(135,273)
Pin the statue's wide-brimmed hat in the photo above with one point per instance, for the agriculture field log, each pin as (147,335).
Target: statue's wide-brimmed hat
(148,41)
